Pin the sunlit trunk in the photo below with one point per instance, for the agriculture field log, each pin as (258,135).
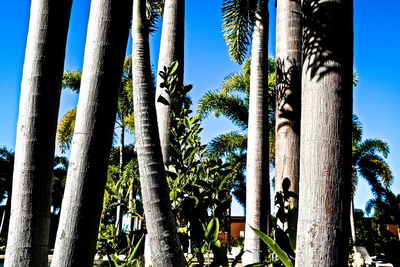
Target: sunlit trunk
(105,49)
(257,178)
(171,49)
(160,222)
(288,94)
(28,233)
(326,130)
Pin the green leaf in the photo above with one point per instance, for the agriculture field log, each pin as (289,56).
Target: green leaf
(136,250)
(212,231)
(274,247)
(173,67)
(292,225)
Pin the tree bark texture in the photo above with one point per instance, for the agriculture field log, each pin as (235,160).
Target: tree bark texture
(28,234)
(160,222)
(326,125)
(288,97)
(171,49)
(257,178)
(105,49)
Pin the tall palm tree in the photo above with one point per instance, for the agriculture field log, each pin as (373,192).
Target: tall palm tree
(105,49)
(171,49)
(257,179)
(28,234)
(160,221)
(368,163)
(326,117)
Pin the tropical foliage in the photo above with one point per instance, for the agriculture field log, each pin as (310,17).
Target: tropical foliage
(232,102)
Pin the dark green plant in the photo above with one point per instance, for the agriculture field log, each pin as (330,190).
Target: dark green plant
(275,248)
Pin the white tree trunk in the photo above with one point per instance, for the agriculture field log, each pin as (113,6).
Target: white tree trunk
(105,49)
(171,49)
(257,178)
(288,94)
(326,125)
(28,234)
(352,223)
(160,222)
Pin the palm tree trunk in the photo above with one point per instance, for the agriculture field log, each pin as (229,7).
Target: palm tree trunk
(352,223)
(28,234)
(105,49)
(5,220)
(131,219)
(288,94)
(257,179)
(326,129)
(119,214)
(171,49)
(160,222)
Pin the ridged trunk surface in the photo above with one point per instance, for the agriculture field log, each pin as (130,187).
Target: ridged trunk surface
(160,222)
(105,49)
(171,49)
(288,96)
(28,234)
(326,125)
(257,178)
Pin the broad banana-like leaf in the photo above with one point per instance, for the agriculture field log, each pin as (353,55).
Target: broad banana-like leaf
(274,247)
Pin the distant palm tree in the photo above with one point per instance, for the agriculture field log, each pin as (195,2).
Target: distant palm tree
(232,102)
(386,209)
(369,163)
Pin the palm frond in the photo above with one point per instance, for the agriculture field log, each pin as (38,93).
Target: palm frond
(72,80)
(232,107)
(238,22)
(370,205)
(379,166)
(236,82)
(357,130)
(373,146)
(228,143)
(154,10)
(65,130)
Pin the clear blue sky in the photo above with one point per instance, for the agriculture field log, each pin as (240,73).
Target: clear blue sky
(376,97)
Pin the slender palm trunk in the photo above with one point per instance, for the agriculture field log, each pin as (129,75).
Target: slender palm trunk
(131,220)
(107,37)
(119,213)
(28,234)
(5,220)
(171,49)
(326,130)
(288,86)
(160,221)
(352,222)
(257,179)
